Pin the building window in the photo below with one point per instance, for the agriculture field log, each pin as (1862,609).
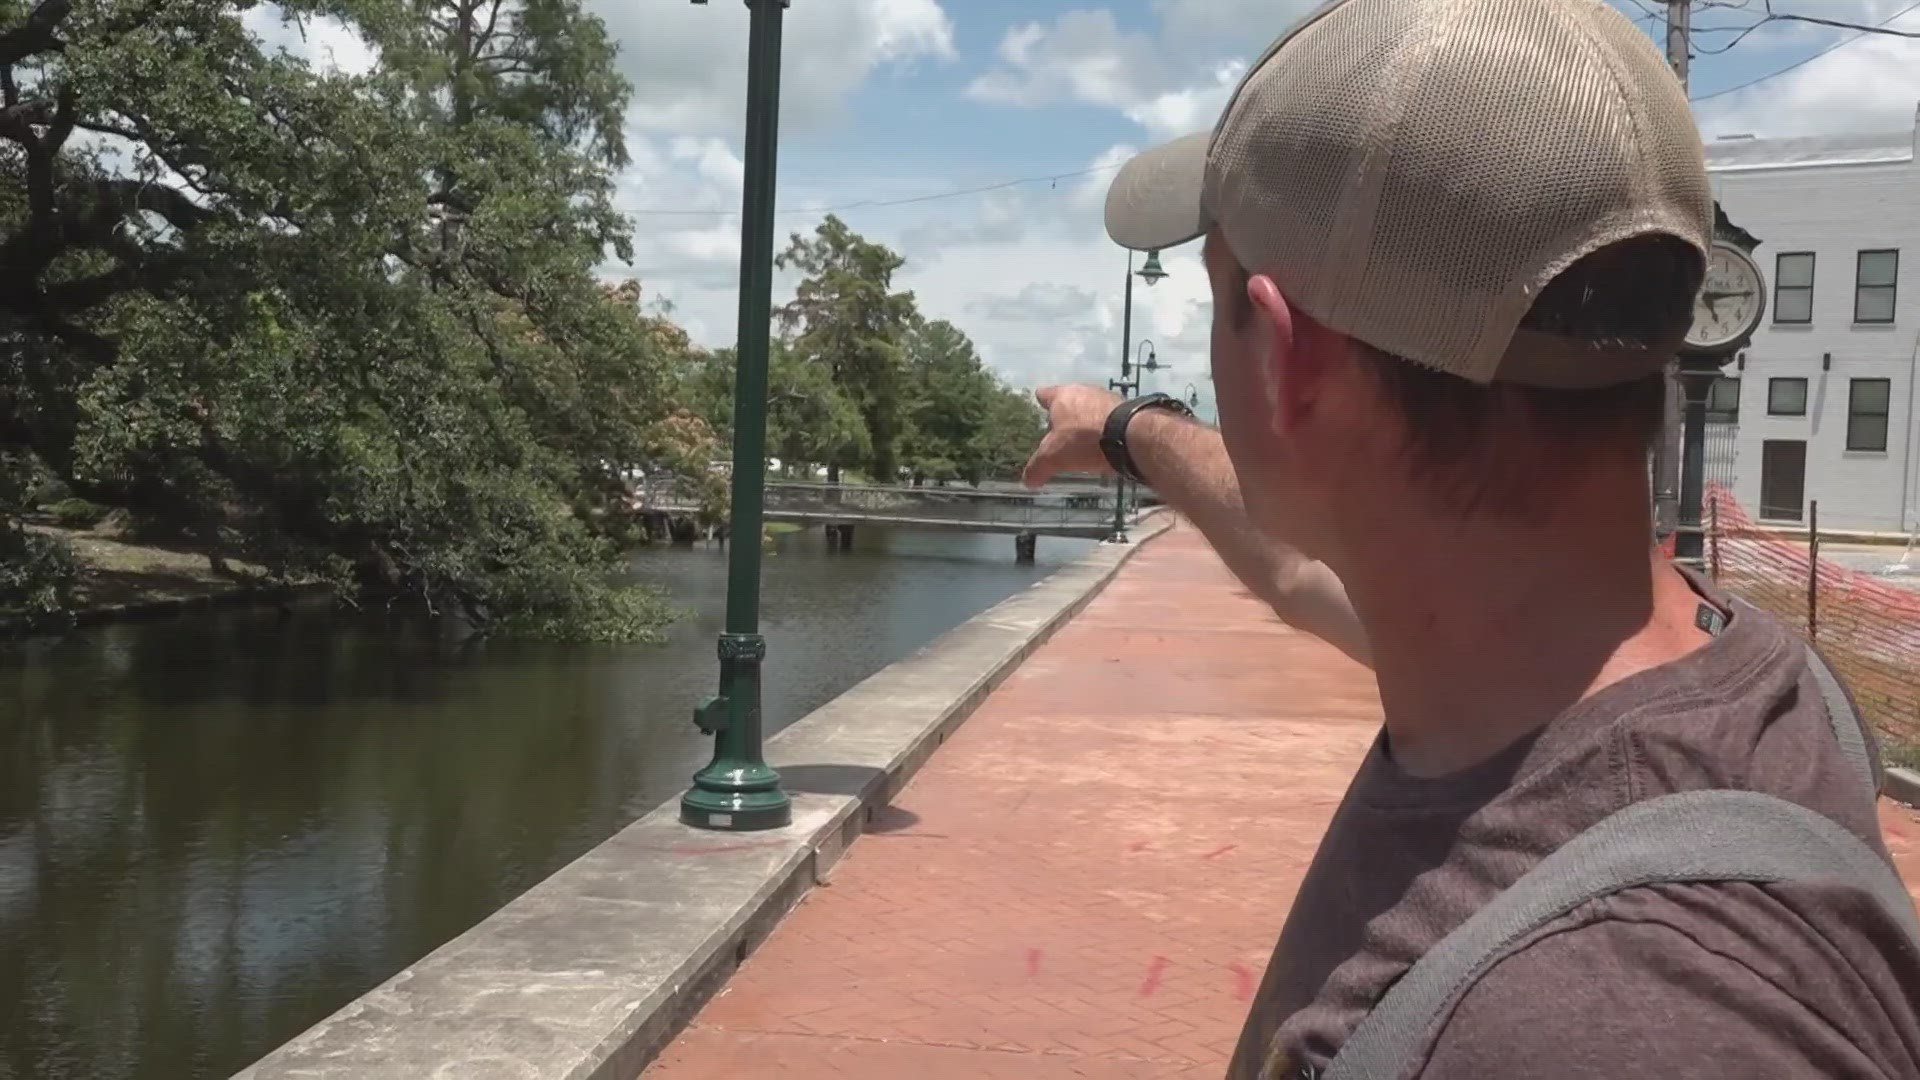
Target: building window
(1723,401)
(1783,479)
(1875,286)
(1867,414)
(1793,287)
(1786,397)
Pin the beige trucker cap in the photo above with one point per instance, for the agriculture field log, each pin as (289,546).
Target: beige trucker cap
(1412,173)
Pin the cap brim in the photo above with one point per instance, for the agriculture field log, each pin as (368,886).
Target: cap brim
(1155,200)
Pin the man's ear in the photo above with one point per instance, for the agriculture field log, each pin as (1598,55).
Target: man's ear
(1289,372)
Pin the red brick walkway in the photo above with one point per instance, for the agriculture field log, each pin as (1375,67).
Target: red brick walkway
(1086,880)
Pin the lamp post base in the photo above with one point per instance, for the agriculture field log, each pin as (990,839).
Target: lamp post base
(736,796)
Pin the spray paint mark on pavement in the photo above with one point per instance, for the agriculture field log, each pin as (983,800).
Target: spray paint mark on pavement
(1155,971)
(1242,981)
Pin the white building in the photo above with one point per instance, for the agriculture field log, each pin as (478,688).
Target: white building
(1821,405)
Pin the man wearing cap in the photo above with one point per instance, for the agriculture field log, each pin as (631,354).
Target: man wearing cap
(1452,243)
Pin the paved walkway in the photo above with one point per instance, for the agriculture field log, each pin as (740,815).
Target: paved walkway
(1086,880)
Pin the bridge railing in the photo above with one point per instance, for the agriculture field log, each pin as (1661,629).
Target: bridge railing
(1044,509)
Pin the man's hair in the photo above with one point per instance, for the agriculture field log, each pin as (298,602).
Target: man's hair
(1501,447)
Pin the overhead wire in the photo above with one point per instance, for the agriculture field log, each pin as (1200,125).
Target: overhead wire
(868,204)
(1798,64)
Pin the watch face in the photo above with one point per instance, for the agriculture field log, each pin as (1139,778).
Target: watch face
(1730,302)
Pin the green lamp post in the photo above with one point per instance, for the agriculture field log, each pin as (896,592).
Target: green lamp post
(738,791)
(1151,272)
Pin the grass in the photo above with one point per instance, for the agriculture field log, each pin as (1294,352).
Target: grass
(1904,755)
(115,572)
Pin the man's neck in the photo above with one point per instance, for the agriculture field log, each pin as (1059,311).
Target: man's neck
(1496,629)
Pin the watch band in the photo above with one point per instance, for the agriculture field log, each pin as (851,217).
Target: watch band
(1113,438)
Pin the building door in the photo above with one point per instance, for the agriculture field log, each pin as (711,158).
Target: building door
(1783,479)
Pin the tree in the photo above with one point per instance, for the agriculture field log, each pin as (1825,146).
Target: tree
(947,401)
(963,422)
(1010,433)
(348,326)
(810,421)
(846,318)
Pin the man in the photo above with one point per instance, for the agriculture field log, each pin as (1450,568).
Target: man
(1452,244)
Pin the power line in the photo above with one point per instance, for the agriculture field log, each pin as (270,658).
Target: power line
(867,204)
(1863,31)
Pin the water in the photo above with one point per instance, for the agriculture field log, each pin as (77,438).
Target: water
(217,830)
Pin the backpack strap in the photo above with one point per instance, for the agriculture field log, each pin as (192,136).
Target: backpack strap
(1690,836)
(1856,743)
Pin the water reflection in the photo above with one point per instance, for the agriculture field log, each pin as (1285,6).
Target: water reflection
(215,831)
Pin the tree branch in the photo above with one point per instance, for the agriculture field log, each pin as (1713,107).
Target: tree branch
(61,129)
(120,197)
(35,35)
(148,275)
(38,319)
(105,128)
(493,20)
(17,119)
(514,65)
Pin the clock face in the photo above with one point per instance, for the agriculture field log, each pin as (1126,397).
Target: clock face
(1731,302)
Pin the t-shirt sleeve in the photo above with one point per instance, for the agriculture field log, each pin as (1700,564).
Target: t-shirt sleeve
(1618,999)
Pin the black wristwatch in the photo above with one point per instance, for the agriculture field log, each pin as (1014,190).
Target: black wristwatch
(1113,438)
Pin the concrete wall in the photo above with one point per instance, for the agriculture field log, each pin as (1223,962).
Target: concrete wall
(1835,210)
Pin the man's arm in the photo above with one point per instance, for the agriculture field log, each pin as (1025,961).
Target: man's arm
(1187,465)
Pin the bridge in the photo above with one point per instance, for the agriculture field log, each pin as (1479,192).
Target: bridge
(1081,511)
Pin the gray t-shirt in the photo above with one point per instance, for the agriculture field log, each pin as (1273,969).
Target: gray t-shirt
(1701,981)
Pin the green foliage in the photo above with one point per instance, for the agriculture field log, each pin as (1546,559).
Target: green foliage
(962,422)
(37,574)
(847,319)
(77,513)
(925,403)
(347,327)
(810,420)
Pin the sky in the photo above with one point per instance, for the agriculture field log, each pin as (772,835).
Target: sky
(1003,120)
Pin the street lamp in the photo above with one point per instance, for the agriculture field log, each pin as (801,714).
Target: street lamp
(1129,381)
(1152,272)
(1151,363)
(737,791)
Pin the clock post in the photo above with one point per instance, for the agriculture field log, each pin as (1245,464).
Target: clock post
(1732,300)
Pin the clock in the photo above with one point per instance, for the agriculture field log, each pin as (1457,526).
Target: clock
(1730,304)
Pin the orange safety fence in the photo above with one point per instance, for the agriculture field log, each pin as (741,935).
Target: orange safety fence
(1867,628)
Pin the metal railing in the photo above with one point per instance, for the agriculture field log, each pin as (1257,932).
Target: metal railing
(1078,509)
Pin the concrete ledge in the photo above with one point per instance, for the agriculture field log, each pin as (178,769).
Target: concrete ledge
(591,972)
(1901,785)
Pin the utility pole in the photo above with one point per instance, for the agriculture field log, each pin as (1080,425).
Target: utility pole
(1666,453)
(1679,37)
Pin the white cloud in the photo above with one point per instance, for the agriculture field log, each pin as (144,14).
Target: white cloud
(1871,85)
(1170,83)
(1084,58)
(1027,271)
(688,62)
(1174,113)
(1189,23)
(328,45)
